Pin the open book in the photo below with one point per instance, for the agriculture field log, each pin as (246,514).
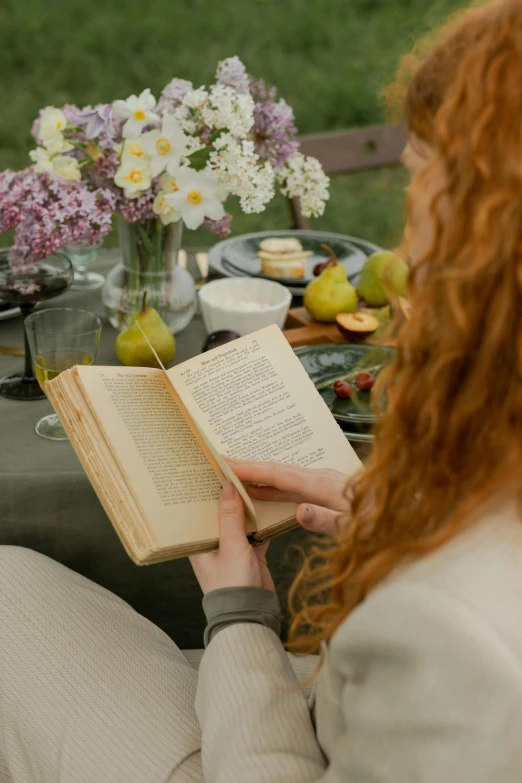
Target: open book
(152,441)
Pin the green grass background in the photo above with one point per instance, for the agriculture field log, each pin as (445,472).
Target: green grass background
(330,60)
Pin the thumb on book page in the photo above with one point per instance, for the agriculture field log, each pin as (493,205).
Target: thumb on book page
(231,517)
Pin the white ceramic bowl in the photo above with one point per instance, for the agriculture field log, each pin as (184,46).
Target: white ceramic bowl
(243,304)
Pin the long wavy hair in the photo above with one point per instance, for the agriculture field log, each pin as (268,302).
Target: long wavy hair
(451,438)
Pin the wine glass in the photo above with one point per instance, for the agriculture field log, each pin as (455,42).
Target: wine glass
(60,338)
(47,279)
(81,257)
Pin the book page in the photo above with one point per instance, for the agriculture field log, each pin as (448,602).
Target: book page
(254,400)
(172,476)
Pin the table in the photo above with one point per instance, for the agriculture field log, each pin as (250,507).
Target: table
(48,504)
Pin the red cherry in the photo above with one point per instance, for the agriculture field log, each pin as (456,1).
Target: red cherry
(364,381)
(343,389)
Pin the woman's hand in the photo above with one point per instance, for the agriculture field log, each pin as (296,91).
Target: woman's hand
(236,563)
(319,493)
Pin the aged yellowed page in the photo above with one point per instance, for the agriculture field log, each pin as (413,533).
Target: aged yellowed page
(169,469)
(223,466)
(253,400)
(104,472)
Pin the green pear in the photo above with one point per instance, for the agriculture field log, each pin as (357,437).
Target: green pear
(382,313)
(384,274)
(331,293)
(133,350)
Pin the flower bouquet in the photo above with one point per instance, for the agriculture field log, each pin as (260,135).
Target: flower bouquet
(160,165)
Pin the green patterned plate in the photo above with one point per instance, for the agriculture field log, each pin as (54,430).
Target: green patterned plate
(326,363)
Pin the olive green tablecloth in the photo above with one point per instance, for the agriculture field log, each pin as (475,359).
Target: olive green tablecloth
(47,503)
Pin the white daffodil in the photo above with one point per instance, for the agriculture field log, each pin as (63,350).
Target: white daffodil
(42,162)
(138,111)
(52,125)
(168,182)
(163,209)
(167,146)
(67,168)
(57,145)
(196,197)
(133,176)
(133,150)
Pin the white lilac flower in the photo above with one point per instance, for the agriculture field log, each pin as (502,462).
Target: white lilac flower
(137,110)
(67,168)
(303,177)
(51,126)
(165,147)
(196,198)
(166,213)
(133,176)
(241,172)
(42,161)
(232,73)
(188,113)
(195,99)
(226,108)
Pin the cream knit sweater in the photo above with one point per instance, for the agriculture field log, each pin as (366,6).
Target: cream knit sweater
(421,684)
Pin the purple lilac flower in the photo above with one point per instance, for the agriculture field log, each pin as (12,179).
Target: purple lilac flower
(221,228)
(14,185)
(232,73)
(274,126)
(98,123)
(137,210)
(55,213)
(172,95)
(104,170)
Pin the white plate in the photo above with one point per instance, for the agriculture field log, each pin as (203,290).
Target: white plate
(11,313)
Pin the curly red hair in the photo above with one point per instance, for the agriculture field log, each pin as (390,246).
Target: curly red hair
(451,439)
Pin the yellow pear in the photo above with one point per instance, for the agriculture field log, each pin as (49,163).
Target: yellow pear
(133,350)
(331,293)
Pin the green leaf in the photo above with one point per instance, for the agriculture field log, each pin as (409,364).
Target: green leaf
(198,160)
(216,135)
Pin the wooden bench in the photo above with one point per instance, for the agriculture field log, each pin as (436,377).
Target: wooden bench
(345,152)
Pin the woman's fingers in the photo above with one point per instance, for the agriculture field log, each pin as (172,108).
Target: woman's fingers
(272,474)
(323,487)
(231,519)
(271,493)
(318,519)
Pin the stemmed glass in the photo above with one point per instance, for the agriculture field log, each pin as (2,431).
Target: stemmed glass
(82,256)
(49,278)
(60,338)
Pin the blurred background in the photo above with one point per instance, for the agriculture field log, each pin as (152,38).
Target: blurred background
(330,60)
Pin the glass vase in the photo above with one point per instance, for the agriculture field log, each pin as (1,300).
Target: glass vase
(149,269)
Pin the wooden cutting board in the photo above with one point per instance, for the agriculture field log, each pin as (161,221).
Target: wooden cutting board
(301,329)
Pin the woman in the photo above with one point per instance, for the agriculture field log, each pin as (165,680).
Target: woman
(417,608)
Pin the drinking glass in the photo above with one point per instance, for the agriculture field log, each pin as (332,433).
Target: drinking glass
(60,338)
(81,257)
(47,279)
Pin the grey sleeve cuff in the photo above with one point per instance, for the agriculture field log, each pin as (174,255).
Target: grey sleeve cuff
(231,605)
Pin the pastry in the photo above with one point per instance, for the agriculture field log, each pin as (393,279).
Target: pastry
(283,257)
